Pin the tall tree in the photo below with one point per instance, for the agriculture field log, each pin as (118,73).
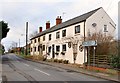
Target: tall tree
(3,29)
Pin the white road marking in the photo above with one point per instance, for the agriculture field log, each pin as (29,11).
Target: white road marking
(26,64)
(42,71)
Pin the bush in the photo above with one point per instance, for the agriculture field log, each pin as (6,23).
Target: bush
(66,61)
(60,61)
(115,61)
(55,60)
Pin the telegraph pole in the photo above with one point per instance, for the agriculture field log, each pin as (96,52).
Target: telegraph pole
(26,37)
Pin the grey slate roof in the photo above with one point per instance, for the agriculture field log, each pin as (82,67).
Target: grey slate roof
(75,20)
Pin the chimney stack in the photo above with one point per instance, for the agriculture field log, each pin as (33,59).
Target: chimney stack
(40,29)
(47,24)
(58,20)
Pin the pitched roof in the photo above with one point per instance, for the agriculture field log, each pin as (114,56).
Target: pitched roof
(75,20)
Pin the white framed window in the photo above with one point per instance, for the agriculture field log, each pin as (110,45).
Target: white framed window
(64,47)
(105,28)
(58,48)
(77,29)
(57,35)
(63,33)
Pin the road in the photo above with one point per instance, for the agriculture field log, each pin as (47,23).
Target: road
(17,69)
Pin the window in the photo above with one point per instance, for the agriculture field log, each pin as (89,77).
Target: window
(57,35)
(64,47)
(64,33)
(44,38)
(49,49)
(38,48)
(38,39)
(35,49)
(35,41)
(31,49)
(49,36)
(105,28)
(43,48)
(77,29)
(57,48)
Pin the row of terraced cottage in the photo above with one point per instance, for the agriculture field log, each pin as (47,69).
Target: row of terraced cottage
(64,40)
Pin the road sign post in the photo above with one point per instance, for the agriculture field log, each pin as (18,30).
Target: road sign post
(88,44)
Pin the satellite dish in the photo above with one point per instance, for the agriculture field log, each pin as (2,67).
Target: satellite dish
(94,24)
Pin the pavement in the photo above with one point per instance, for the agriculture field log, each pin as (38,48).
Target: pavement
(72,68)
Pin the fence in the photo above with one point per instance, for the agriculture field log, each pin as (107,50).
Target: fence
(100,61)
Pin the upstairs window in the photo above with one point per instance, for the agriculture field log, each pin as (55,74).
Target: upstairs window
(77,29)
(105,28)
(57,35)
(64,47)
(49,36)
(35,41)
(38,39)
(57,48)
(63,33)
(44,38)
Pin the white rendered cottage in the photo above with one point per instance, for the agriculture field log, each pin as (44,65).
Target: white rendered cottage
(63,41)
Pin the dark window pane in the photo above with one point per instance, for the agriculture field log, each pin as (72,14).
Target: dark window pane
(57,35)
(43,47)
(77,29)
(63,33)
(50,37)
(49,49)
(44,38)
(57,48)
(64,47)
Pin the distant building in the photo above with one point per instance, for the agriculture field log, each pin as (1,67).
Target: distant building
(64,40)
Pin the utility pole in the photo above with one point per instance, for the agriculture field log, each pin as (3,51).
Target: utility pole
(26,37)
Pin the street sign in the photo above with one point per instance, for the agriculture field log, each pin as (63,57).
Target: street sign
(89,43)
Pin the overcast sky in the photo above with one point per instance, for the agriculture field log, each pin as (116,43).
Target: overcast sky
(37,12)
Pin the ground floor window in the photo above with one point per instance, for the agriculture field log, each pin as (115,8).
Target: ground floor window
(64,47)
(49,49)
(43,47)
(57,48)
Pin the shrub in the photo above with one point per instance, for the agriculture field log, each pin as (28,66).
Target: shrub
(60,61)
(115,62)
(55,60)
(66,61)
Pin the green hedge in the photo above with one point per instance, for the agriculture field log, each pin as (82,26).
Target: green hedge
(115,61)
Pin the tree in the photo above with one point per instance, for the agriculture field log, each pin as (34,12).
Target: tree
(105,43)
(3,29)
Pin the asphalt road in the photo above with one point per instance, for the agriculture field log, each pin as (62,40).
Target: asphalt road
(17,69)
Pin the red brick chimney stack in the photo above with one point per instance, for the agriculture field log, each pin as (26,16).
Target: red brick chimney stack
(58,20)
(40,29)
(47,24)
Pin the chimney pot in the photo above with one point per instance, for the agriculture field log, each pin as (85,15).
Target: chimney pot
(58,20)
(40,29)
(47,24)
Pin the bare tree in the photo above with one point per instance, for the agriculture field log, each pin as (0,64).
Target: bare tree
(104,43)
